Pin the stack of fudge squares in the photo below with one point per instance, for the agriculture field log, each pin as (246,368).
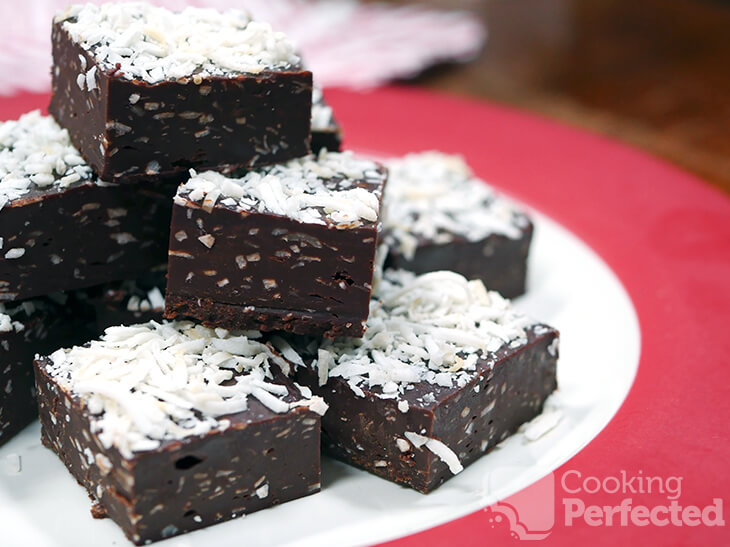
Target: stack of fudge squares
(230,292)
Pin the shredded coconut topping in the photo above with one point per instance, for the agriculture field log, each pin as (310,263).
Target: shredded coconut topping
(435,196)
(152,382)
(36,153)
(431,328)
(155,44)
(333,187)
(322,117)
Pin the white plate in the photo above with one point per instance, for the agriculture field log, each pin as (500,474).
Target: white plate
(570,287)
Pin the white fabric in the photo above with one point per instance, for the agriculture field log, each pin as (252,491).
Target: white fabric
(343,42)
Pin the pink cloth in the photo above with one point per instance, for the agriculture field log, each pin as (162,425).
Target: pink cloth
(343,42)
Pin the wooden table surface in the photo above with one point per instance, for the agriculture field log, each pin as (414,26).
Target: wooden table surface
(653,73)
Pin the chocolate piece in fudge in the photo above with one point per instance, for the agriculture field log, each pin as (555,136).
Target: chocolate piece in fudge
(288,247)
(172,427)
(440,217)
(131,301)
(326,132)
(62,228)
(41,325)
(146,91)
(445,371)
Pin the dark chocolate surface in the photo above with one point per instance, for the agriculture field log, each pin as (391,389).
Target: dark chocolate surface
(188,484)
(232,316)
(499,261)
(47,327)
(17,404)
(470,420)
(127,130)
(83,235)
(329,139)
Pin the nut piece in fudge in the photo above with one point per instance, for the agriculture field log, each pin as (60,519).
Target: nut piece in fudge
(438,216)
(326,132)
(41,325)
(62,228)
(287,247)
(445,371)
(172,427)
(147,91)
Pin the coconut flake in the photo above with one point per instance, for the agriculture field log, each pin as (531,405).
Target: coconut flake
(304,390)
(315,404)
(334,187)
(553,347)
(322,117)
(91,79)
(145,384)
(542,424)
(16,252)
(416,440)
(155,298)
(6,324)
(144,42)
(208,240)
(444,453)
(324,364)
(403,445)
(12,464)
(283,347)
(141,299)
(262,491)
(435,197)
(12,314)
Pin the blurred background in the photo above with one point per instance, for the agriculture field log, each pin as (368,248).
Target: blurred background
(652,73)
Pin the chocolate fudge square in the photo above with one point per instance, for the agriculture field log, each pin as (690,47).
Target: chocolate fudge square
(440,217)
(147,91)
(172,427)
(445,371)
(62,228)
(288,247)
(40,325)
(326,132)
